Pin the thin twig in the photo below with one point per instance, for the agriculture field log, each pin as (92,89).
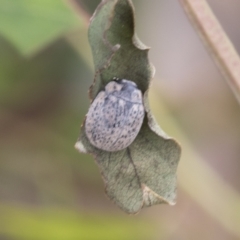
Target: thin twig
(215,40)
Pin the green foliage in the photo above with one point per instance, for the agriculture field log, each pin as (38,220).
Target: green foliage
(144,174)
(30,25)
(59,224)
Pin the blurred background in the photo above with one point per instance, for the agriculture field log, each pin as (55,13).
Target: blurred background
(50,191)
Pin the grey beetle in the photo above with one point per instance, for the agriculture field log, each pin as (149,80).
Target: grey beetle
(115,116)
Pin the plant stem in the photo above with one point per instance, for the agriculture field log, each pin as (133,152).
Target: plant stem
(216,41)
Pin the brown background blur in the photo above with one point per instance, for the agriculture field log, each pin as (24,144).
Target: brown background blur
(50,191)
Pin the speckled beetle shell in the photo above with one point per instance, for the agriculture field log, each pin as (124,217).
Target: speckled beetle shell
(115,116)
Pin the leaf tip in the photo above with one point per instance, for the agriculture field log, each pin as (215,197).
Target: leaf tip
(150,197)
(172,203)
(80,147)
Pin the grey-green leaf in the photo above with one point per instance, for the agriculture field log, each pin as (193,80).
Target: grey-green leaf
(144,173)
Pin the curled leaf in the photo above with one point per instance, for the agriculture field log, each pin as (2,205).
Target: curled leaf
(144,173)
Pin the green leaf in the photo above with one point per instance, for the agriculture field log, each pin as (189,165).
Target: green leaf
(30,25)
(144,173)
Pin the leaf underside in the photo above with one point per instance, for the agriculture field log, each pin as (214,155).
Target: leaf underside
(144,173)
